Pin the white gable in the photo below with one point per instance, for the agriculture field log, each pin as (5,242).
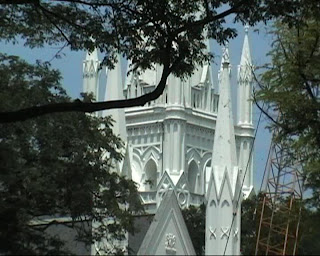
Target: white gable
(167,234)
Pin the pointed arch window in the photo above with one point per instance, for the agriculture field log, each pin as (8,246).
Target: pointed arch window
(193,172)
(150,175)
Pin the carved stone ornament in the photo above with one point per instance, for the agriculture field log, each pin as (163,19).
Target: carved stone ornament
(212,232)
(236,231)
(224,232)
(170,243)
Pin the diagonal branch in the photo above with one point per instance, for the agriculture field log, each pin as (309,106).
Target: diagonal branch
(87,107)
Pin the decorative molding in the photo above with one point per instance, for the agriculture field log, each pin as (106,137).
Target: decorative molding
(236,231)
(170,243)
(224,232)
(212,233)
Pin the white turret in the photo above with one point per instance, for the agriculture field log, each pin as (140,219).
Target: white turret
(223,234)
(245,79)
(91,74)
(245,84)
(114,91)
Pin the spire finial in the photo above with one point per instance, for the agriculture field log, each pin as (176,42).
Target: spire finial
(246,29)
(225,55)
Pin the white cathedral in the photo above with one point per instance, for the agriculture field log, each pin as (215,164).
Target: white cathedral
(184,149)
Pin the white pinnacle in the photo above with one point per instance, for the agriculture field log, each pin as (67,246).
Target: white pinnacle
(244,71)
(245,78)
(91,73)
(114,91)
(224,149)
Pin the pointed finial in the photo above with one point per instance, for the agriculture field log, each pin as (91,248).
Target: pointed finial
(246,29)
(225,55)
(93,55)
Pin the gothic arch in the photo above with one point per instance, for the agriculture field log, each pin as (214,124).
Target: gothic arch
(225,203)
(151,152)
(193,155)
(213,204)
(193,172)
(150,175)
(205,167)
(137,151)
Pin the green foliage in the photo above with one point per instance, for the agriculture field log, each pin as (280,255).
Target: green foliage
(290,86)
(171,33)
(55,165)
(145,32)
(309,233)
(249,225)
(194,218)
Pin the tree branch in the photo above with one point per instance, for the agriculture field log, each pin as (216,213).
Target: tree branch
(208,19)
(264,111)
(86,107)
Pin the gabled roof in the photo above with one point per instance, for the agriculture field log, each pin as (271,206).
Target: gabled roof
(164,185)
(168,232)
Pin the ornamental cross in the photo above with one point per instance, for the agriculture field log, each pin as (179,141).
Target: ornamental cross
(212,233)
(224,232)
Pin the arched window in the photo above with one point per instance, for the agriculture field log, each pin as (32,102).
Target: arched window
(193,171)
(150,175)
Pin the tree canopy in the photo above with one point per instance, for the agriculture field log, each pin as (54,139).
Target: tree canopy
(56,165)
(171,33)
(290,87)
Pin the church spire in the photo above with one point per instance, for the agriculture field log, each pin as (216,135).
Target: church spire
(222,234)
(224,150)
(114,91)
(245,79)
(91,73)
(245,84)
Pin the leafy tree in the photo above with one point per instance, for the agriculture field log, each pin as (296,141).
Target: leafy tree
(290,87)
(249,223)
(195,220)
(168,32)
(309,232)
(55,166)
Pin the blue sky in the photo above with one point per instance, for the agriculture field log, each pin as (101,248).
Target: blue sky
(70,66)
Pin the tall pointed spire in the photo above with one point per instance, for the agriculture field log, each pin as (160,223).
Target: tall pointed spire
(222,233)
(91,74)
(245,79)
(114,91)
(245,84)
(224,149)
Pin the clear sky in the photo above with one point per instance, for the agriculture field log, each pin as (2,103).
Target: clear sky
(70,66)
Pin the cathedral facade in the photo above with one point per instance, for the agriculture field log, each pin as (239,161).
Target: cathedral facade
(187,141)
